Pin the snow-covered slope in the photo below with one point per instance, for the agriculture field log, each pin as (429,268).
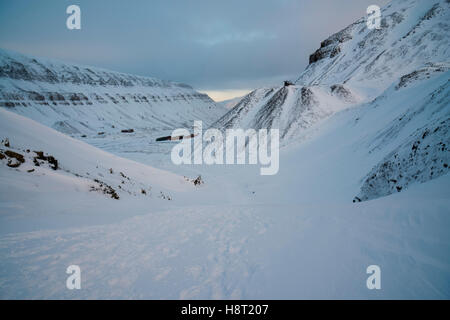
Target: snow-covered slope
(366,69)
(85,100)
(360,62)
(372,150)
(412,33)
(289,108)
(40,164)
(230,103)
(413,136)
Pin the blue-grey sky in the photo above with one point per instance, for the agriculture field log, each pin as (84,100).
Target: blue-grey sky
(222,47)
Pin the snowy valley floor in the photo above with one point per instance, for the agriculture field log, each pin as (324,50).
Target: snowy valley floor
(240,235)
(243,251)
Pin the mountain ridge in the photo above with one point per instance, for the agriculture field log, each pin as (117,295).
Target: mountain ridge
(81,100)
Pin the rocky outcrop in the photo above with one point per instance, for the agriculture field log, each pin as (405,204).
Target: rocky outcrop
(424,157)
(331,46)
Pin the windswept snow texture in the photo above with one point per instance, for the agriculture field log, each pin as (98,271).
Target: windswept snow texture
(234,252)
(84,100)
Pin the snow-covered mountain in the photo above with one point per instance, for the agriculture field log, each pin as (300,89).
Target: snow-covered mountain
(230,103)
(413,33)
(145,233)
(79,100)
(364,68)
(288,108)
(355,64)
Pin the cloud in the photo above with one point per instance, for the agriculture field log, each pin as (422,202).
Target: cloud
(211,45)
(235,38)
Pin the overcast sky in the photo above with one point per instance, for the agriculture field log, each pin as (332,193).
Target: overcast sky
(222,47)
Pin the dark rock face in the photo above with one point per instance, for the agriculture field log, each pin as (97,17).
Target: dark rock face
(266,115)
(105,189)
(331,47)
(307,96)
(50,159)
(421,73)
(424,157)
(21,97)
(341,91)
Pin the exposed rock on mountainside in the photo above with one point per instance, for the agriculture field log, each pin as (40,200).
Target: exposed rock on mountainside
(85,100)
(366,68)
(289,109)
(412,33)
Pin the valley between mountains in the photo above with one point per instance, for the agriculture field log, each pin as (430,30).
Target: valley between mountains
(363,177)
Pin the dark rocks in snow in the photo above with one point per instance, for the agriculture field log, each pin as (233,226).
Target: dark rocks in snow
(105,189)
(50,159)
(341,91)
(427,71)
(356,199)
(266,115)
(198,181)
(6,143)
(331,46)
(15,155)
(307,96)
(127,130)
(424,157)
(14,159)
(164,196)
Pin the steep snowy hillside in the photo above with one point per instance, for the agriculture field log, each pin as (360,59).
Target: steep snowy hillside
(356,64)
(289,108)
(80,100)
(412,33)
(414,133)
(362,68)
(43,171)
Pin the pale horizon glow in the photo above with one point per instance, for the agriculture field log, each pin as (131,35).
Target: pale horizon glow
(222,95)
